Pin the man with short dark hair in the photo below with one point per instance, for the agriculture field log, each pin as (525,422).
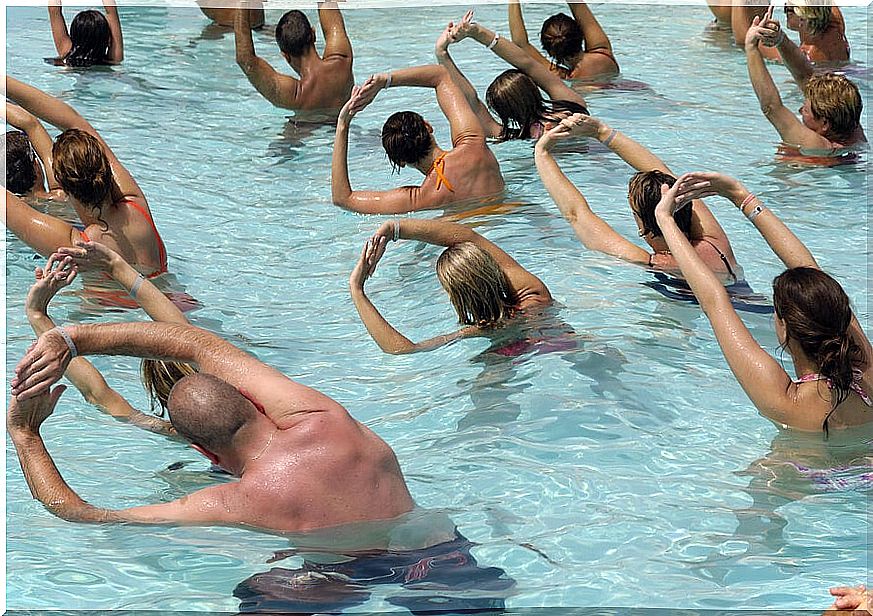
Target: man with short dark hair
(325,82)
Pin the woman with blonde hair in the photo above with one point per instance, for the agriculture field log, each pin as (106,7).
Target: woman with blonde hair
(814,320)
(486,286)
(822,31)
(108,201)
(158,377)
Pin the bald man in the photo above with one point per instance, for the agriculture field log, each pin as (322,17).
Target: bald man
(303,462)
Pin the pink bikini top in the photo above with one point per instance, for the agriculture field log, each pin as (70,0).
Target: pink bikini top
(854,387)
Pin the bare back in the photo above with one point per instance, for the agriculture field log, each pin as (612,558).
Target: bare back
(324,470)
(131,235)
(470,171)
(325,83)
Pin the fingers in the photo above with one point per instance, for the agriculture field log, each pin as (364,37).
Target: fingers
(34,384)
(56,395)
(769,14)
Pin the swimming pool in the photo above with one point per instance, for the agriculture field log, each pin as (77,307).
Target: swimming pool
(631,471)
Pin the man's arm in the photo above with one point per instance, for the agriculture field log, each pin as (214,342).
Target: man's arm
(783,120)
(116,46)
(518,32)
(592,230)
(209,506)
(281,90)
(336,40)
(280,396)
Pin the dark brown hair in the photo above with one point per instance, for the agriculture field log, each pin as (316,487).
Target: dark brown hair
(81,167)
(519,104)
(91,37)
(20,174)
(817,317)
(405,138)
(562,39)
(644,193)
(294,33)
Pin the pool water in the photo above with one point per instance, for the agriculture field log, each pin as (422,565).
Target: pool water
(627,469)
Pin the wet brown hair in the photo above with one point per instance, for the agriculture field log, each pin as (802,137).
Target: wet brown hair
(81,167)
(518,102)
(294,33)
(159,377)
(562,38)
(20,174)
(817,317)
(836,99)
(477,287)
(644,193)
(208,411)
(405,138)
(91,37)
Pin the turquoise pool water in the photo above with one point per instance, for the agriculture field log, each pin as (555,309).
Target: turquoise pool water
(630,471)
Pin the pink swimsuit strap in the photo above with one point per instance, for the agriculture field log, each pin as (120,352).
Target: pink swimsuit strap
(854,387)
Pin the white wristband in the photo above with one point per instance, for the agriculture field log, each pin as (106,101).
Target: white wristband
(396,230)
(74,352)
(755,212)
(494,42)
(388,81)
(136,285)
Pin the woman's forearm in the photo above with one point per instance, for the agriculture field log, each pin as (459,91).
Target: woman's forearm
(382,332)
(340,186)
(148,296)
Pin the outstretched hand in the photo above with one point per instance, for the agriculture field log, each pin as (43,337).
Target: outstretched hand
(366,266)
(27,415)
(349,110)
(59,272)
(674,198)
(575,125)
(702,184)
(90,255)
(759,30)
(857,599)
(464,28)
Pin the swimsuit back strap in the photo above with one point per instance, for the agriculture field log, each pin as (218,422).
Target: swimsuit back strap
(439,166)
(723,258)
(855,387)
(162,251)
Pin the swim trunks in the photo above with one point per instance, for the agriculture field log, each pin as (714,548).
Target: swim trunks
(443,577)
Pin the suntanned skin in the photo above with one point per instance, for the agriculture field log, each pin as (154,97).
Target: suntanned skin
(128,233)
(809,132)
(595,233)
(303,461)
(470,166)
(825,47)
(324,83)
(61,37)
(41,143)
(226,17)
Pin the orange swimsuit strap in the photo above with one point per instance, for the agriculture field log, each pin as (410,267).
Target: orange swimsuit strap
(439,165)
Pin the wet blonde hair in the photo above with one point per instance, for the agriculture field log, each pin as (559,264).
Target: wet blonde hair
(836,99)
(818,17)
(476,285)
(159,378)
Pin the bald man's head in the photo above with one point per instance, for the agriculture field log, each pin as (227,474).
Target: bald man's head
(207,411)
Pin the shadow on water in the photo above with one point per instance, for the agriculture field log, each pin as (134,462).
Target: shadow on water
(798,465)
(528,336)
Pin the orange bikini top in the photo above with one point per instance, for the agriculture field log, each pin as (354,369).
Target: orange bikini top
(439,165)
